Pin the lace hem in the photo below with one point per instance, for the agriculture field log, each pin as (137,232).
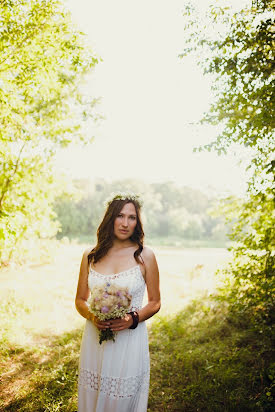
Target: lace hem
(113,386)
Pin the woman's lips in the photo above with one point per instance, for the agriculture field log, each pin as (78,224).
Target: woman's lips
(124,231)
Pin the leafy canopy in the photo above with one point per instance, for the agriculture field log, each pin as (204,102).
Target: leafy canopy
(43,62)
(238,50)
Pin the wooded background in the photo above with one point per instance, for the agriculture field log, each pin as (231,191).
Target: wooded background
(44,59)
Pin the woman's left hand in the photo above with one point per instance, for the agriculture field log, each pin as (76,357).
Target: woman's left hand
(121,323)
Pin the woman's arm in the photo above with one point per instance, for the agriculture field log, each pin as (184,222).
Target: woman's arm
(82,294)
(152,282)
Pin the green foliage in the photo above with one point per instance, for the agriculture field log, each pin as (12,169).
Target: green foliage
(43,59)
(239,52)
(253,289)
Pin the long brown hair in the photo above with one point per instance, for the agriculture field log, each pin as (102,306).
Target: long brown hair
(105,231)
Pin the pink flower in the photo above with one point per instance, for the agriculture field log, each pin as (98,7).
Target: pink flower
(104,309)
(105,295)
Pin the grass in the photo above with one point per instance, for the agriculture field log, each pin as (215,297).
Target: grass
(200,361)
(43,377)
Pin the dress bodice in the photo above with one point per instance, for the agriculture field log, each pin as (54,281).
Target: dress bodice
(131,278)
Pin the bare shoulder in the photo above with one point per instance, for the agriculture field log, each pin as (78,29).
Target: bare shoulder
(87,251)
(149,256)
(85,256)
(148,253)
(151,268)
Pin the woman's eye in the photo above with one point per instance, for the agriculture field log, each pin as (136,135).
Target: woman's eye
(131,217)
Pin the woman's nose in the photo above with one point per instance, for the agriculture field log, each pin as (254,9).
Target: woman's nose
(125,222)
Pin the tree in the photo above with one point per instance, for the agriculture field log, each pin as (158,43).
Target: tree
(241,59)
(43,60)
(170,219)
(239,53)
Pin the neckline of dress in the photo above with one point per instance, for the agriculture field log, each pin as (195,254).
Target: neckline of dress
(116,274)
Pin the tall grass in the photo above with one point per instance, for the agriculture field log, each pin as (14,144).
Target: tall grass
(202,361)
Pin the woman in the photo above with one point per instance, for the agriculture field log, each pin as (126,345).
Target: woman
(114,375)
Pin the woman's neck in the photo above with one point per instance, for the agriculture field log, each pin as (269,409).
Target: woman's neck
(122,244)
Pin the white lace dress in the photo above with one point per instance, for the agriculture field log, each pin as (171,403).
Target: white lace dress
(114,376)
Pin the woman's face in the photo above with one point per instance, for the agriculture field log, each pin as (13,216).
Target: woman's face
(125,222)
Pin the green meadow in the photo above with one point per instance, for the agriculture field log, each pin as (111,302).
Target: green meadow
(201,360)
(211,343)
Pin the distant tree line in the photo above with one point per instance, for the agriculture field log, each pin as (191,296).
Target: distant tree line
(169,211)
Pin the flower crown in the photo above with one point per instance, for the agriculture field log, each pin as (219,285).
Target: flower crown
(123,196)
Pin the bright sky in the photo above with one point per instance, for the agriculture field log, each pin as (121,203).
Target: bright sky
(149,99)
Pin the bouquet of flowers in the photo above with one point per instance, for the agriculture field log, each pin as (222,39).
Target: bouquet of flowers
(109,301)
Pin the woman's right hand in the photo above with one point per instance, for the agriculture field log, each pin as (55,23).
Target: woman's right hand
(100,324)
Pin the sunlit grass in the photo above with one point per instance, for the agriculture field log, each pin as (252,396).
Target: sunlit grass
(42,377)
(41,329)
(202,361)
